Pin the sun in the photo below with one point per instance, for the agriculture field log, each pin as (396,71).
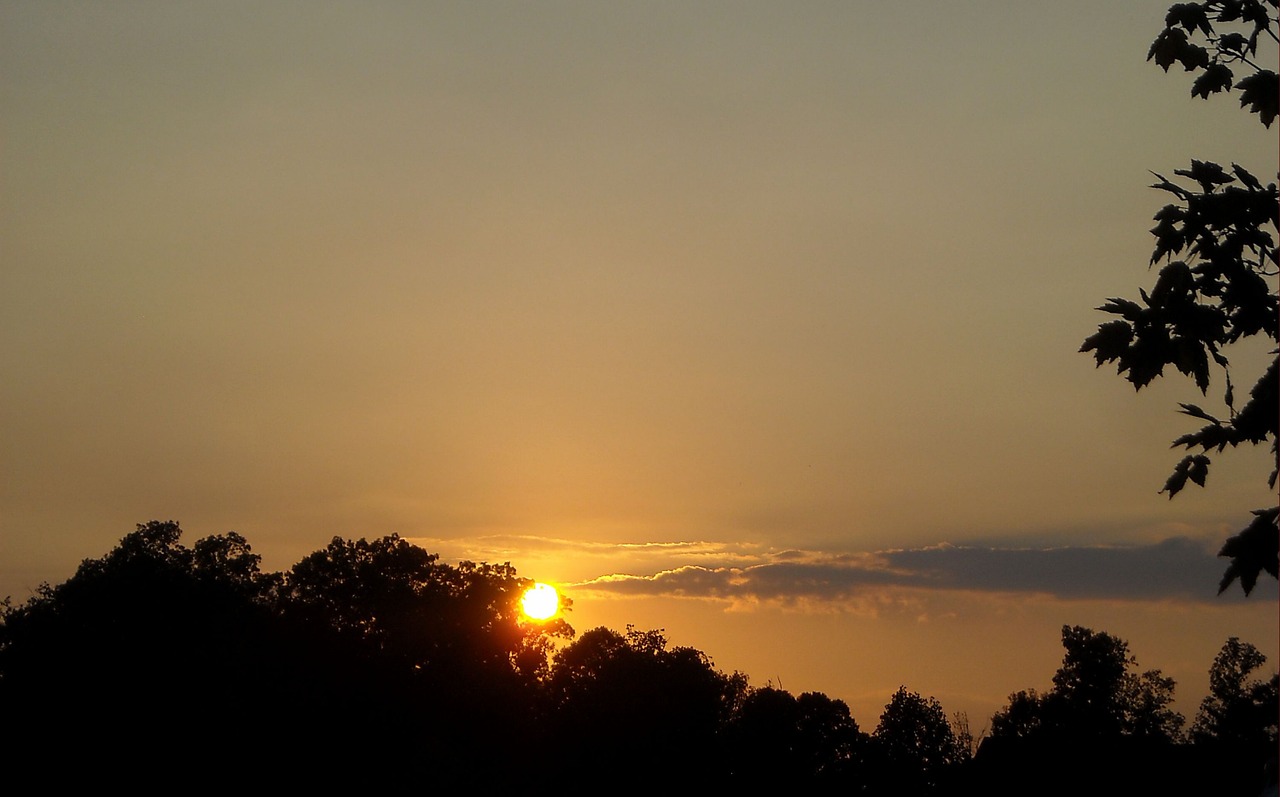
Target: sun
(540,602)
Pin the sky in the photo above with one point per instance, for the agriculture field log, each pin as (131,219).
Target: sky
(756,322)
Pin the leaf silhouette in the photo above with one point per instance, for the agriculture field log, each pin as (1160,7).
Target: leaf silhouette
(1245,177)
(1196,412)
(1167,47)
(1110,342)
(1194,467)
(1221,290)
(1217,77)
(1190,16)
(1259,92)
(1254,549)
(1206,173)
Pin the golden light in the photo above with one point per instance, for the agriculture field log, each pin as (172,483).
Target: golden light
(540,602)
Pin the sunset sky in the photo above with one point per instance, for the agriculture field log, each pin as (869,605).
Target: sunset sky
(754,321)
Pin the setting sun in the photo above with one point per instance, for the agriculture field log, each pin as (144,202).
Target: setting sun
(540,602)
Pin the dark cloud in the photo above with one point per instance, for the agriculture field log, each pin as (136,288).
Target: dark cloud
(1177,569)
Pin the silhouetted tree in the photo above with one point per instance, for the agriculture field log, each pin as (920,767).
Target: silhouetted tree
(1097,692)
(622,698)
(916,744)
(1149,711)
(368,660)
(397,599)
(1221,227)
(447,659)
(831,744)
(145,656)
(1089,688)
(1238,711)
(965,740)
(764,738)
(805,742)
(1023,717)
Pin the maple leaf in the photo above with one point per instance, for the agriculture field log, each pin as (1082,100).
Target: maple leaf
(1254,549)
(1259,92)
(1196,412)
(1189,16)
(1193,56)
(1245,177)
(1207,173)
(1217,77)
(1167,47)
(1194,467)
(1234,43)
(1110,342)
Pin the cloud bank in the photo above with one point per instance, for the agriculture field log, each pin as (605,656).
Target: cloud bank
(1174,569)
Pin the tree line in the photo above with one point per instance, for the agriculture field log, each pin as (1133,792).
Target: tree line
(371,661)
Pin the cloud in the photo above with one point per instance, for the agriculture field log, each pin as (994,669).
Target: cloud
(485,547)
(691,581)
(1174,569)
(1178,568)
(578,559)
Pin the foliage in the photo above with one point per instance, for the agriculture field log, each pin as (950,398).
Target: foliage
(1187,23)
(1238,711)
(1149,709)
(180,641)
(375,651)
(917,742)
(657,702)
(830,741)
(776,737)
(1216,293)
(1023,717)
(965,740)
(368,647)
(395,598)
(1097,692)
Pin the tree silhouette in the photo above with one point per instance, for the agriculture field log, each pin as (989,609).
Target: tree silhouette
(779,739)
(152,651)
(1217,292)
(1104,728)
(397,599)
(1089,687)
(1023,717)
(368,661)
(622,698)
(372,663)
(1238,712)
(764,738)
(1097,693)
(916,744)
(441,656)
(831,745)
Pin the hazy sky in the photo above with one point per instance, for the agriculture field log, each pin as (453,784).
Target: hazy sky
(772,307)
